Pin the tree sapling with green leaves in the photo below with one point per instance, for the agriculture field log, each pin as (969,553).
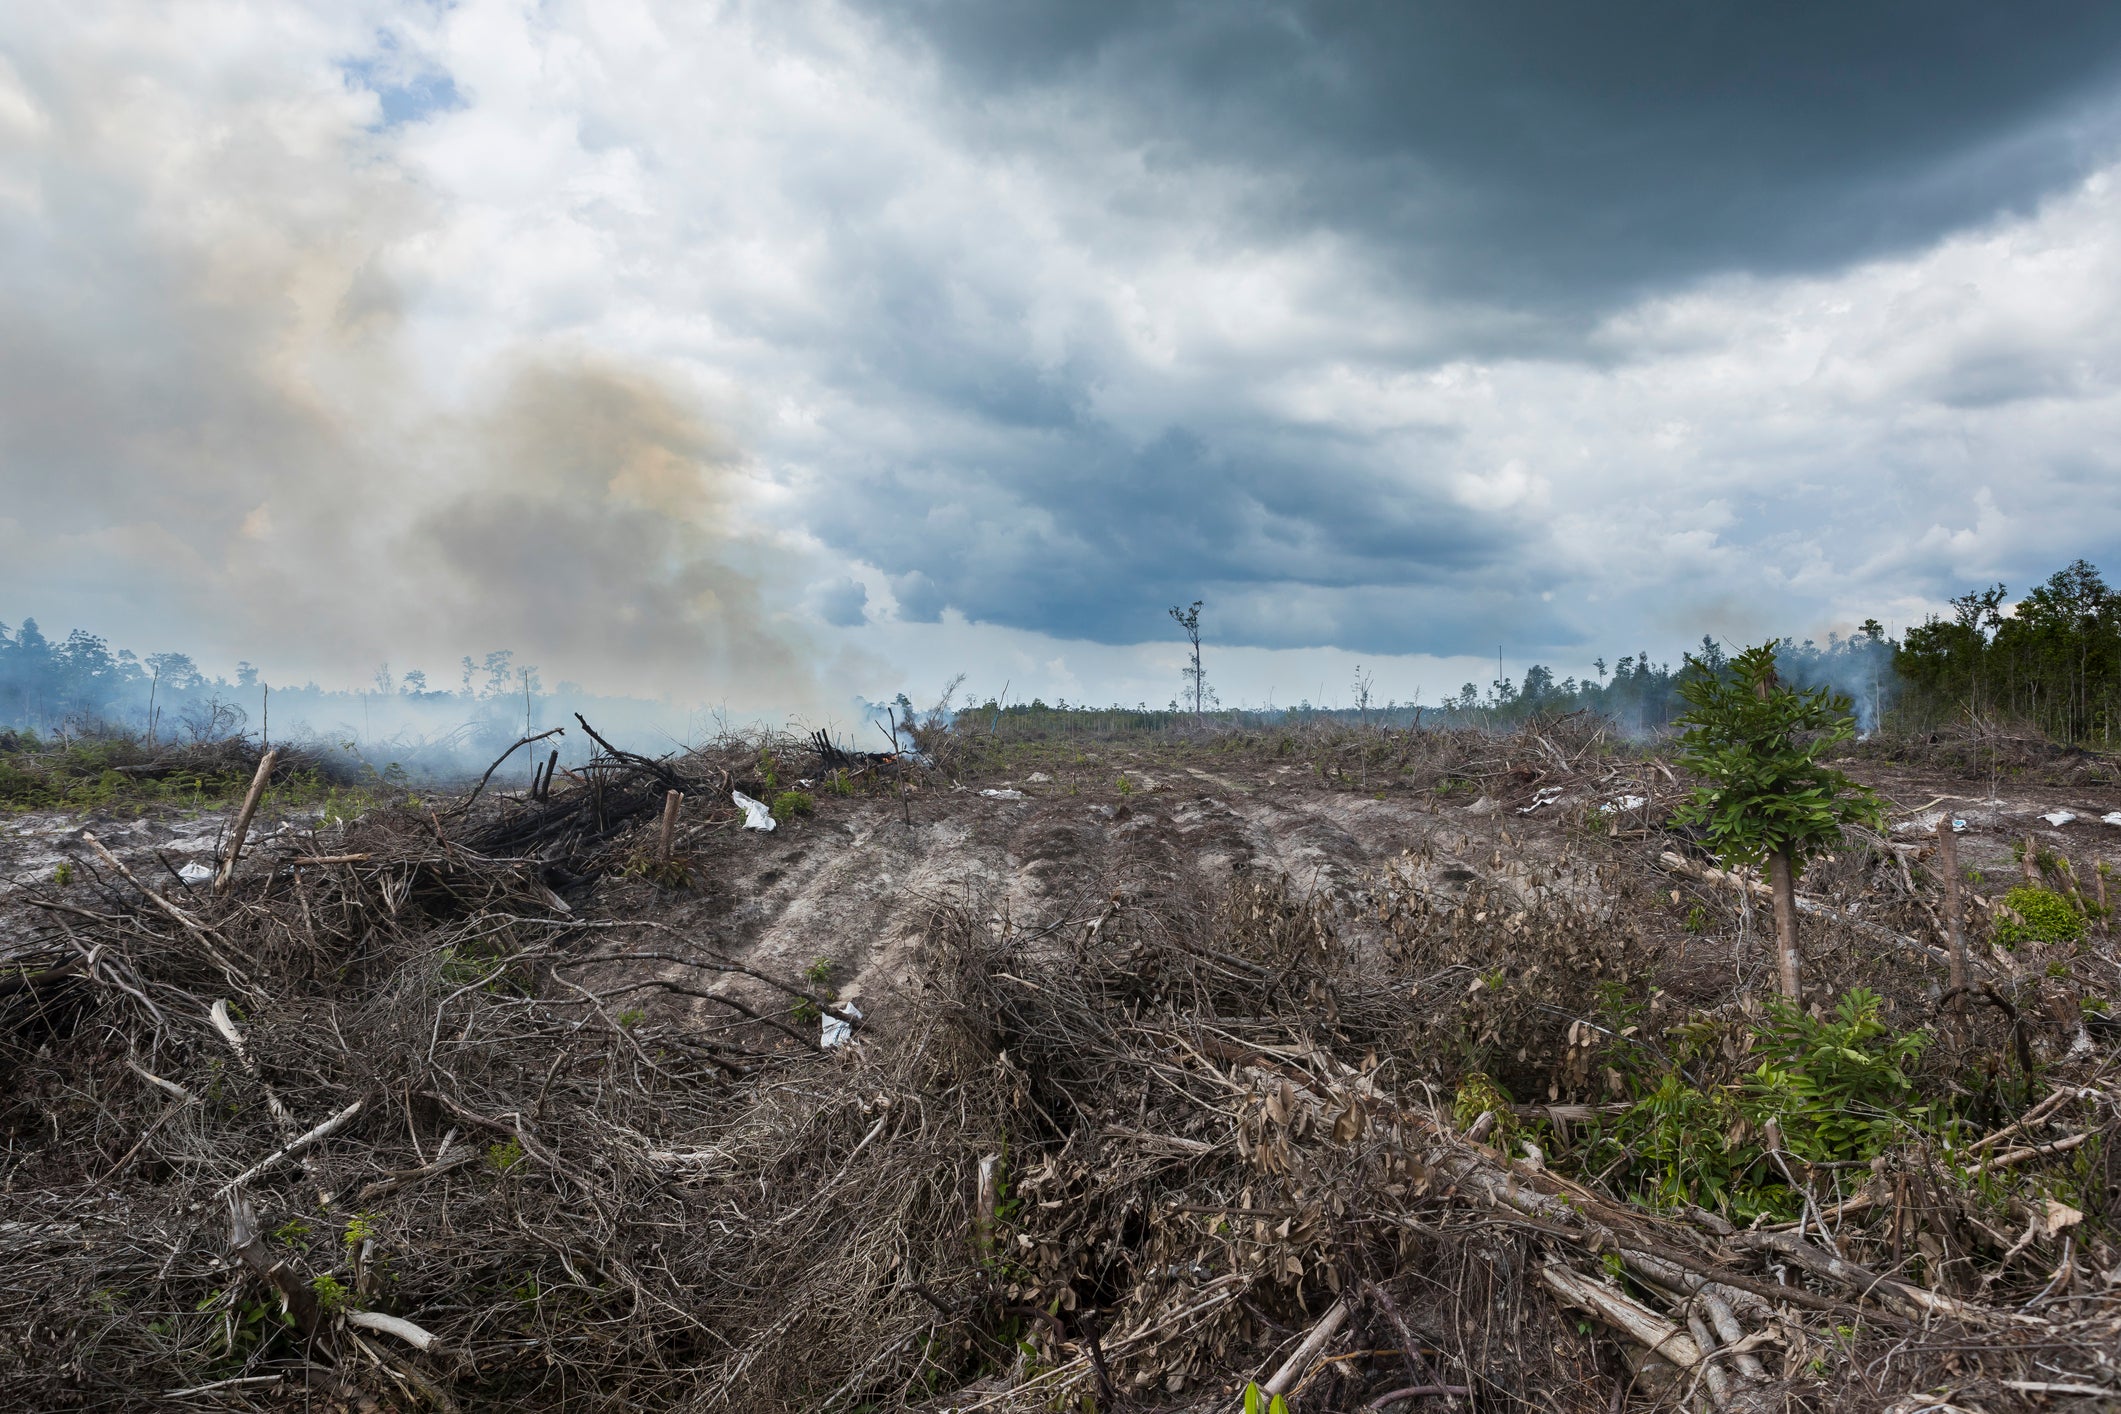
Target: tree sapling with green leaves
(1768,798)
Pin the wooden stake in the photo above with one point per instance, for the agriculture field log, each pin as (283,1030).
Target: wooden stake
(2105,911)
(242,828)
(2031,862)
(1954,934)
(985,1197)
(670,824)
(552,763)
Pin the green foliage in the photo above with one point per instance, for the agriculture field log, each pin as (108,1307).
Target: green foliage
(120,771)
(1767,791)
(64,874)
(1478,1094)
(818,974)
(1258,1401)
(2034,915)
(362,1227)
(332,1294)
(504,1157)
(1123,785)
(1836,1089)
(791,803)
(630,1018)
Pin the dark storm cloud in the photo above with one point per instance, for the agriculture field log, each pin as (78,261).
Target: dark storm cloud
(1496,179)
(1083,536)
(1556,155)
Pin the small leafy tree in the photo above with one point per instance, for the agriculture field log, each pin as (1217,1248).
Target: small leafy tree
(1196,683)
(1768,798)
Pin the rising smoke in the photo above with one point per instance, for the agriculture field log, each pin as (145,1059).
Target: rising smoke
(231,420)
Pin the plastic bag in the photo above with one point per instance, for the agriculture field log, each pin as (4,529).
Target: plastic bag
(757,815)
(834,1032)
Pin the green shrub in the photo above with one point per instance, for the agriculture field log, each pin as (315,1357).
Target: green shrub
(818,974)
(1836,1088)
(791,803)
(332,1294)
(2034,915)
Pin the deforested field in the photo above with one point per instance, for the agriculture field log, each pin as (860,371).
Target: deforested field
(1381,1069)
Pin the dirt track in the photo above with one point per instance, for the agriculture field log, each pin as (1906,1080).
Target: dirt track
(856,882)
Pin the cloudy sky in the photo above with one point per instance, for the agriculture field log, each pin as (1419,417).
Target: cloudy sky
(774,353)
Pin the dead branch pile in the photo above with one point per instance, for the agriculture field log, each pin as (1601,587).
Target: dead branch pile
(390,1122)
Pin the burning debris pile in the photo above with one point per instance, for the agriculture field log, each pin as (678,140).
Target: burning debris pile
(388,1122)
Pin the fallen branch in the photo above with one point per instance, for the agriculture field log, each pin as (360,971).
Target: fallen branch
(2019,1156)
(1623,1313)
(1294,1367)
(207,936)
(1708,874)
(392,1325)
(465,808)
(288,1150)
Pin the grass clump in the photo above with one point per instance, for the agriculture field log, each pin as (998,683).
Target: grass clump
(2035,915)
(791,803)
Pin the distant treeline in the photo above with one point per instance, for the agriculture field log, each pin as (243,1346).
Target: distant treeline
(81,686)
(2052,660)
(80,683)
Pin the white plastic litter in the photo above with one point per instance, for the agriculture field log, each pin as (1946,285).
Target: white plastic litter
(1545,795)
(1037,776)
(835,1032)
(2111,817)
(756,814)
(1003,794)
(2059,818)
(1626,802)
(195,873)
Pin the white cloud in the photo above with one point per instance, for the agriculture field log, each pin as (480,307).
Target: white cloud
(839,326)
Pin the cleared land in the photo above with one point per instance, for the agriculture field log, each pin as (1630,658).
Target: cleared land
(1193,1062)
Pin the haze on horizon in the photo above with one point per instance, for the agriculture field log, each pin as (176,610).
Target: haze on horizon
(770,354)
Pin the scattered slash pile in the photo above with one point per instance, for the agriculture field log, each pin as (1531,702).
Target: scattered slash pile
(391,1123)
